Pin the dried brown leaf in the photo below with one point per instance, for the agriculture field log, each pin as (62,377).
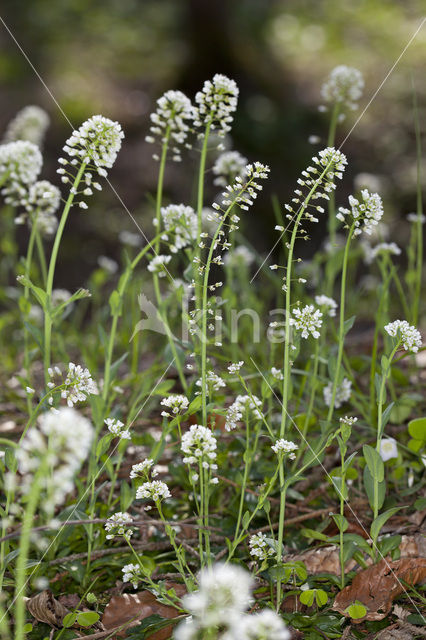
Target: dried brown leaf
(377,586)
(134,607)
(45,608)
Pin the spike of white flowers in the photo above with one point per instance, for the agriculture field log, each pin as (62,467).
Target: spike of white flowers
(180,224)
(365,213)
(216,103)
(29,124)
(343,86)
(174,114)
(228,166)
(307,321)
(408,334)
(343,393)
(20,165)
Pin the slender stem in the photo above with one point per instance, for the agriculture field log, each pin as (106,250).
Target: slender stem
(314,386)
(244,484)
(51,271)
(332,221)
(341,336)
(379,324)
(419,223)
(27,362)
(41,256)
(342,513)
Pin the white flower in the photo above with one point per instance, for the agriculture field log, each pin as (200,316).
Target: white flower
(329,304)
(30,124)
(364,214)
(199,445)
(239,256)
(181,223)
(388,449)
(259,546)
(108,264)
(367,181)
(157,265)
(223,595)
(243,191)
(155,490)
(277,373)
(59,296)
(216,103)
(132,239)
(282,447)
(233,416)
(228,166)
(117,525)
(240,407)
(78,385)
(343,86)
(349,420)
(307,320)
(235,367)
(343,393)
(63,439)
(265,625)
(383,247)
(173,115)
(177,402)
(143,469)
(116,427)
(132,573)
(408,334)
(415,217)
(20,165)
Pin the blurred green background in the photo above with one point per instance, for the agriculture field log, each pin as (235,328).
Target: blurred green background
(116,57)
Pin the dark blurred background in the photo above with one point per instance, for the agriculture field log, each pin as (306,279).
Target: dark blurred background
(116,57)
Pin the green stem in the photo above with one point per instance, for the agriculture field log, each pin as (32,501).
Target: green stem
(51,271)
(419,224)
(341,336)
(244,484)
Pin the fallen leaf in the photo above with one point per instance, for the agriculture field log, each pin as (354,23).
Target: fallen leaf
(377,586)
(45,608)
(135,607)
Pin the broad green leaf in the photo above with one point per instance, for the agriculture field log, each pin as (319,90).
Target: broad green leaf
(69,619)
(195,405)
(321,597)
(388,544)
(348,324)
(341,522)
(87,618)
(417,428)
(356,610)
(246,519)
(374,462)
(307,597)
(378,522)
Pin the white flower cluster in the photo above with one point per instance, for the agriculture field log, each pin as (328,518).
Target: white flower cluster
(259,546)
(180,222)
(364,214)
(282,447)
(239,256)
(29,124)
(214,382)
(307,320)
(199,446)
(20,166)
(132,574)
(177,402)
(41,203)
(329,304)
(158,265)
(216,103)
(95,145)
(143,469)
(221,602)
(173,118)
(371,253)
(62,440)
(277,373)
(78,385)
(348,420)
(407,334)
(343,393)
(344,86)
(317,181)
(228,166)
(116,427)
(119,525)
(155,490)
(415,217)
(243,191)
(235,366)
(240,407)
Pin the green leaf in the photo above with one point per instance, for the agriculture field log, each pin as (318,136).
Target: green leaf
(384,363)
(87,618)
(417,428)
(69,619)
(369,488)
(341,522)
(356,610)
(378,522)
(27,627)
(321,597)
(388,544)
(40,294)
(307,597)
(246,519)
(10,460)
(386,414)
(126,496)
(195,405)
(420,504)
(374,462)
(348,324)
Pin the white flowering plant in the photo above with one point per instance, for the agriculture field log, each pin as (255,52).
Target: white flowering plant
(206,404)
